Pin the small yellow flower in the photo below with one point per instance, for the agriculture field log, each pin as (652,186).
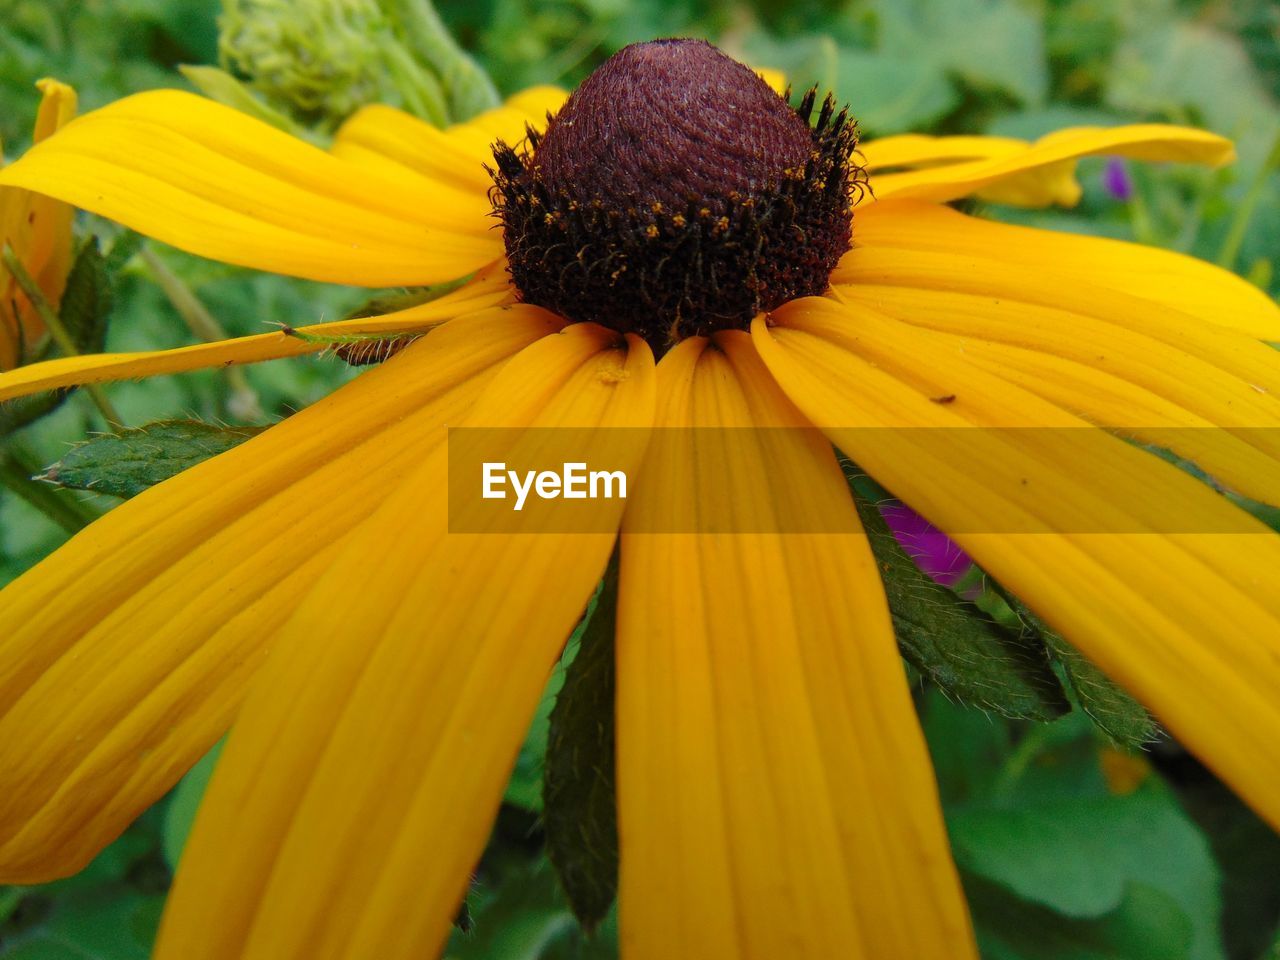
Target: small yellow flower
(378,671)
(38,230)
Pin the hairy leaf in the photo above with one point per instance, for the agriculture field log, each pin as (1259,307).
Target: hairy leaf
(951,641)
(124,464)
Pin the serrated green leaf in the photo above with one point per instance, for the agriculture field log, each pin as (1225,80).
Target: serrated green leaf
(125,464)
(579,810)
(1080,857)
(524,788)
(87,299)
(950,640)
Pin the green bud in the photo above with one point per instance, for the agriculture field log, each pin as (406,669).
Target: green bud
(324,58)
(321,60)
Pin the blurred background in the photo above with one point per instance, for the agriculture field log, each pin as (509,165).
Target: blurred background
(1070,848)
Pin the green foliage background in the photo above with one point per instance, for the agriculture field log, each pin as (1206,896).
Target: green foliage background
(1059,863)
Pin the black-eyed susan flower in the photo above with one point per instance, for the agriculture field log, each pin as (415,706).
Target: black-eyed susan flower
(38,231)
(775,797)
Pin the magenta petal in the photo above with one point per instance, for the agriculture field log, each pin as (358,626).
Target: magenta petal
(933,551)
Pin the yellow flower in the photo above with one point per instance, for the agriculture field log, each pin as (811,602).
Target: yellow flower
(775,796)
(38,229)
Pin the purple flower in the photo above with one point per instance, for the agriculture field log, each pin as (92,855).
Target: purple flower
(1115,177)
(932,550)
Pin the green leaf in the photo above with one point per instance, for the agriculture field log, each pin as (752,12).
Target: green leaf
(108,911)
(85,311)
(524,789)
(966,746)
(1191,71)
(890,93)
(580,815)
(105,924)
(887,93)
(950,640)
(1113,711)
(806,60)
(17,413)
(87,299)
(1033,124)
(995,44)
(1247,850)
(1146,925)
(1081,857)
(125,464)
(183,805)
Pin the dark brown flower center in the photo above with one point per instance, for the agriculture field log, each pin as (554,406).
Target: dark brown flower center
(676,194)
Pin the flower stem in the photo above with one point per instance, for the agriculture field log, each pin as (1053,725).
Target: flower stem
(244,400)
(16,474)
(1015,766)
(1244,212)
(56,329)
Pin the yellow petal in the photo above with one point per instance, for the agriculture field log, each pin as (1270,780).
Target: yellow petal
(203,177)
(484,292)
(1154,142)
(49,257)
(1069,310)
(1189,622)
(57,108)
(775,796)
(359,783)
(390,140)
(1052,183)
(1248,464)
(127,651)
(909,150)
(1227,383)
(776,79)
(38,230)
(1181,283)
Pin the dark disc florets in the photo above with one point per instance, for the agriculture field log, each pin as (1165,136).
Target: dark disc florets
(676,194)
